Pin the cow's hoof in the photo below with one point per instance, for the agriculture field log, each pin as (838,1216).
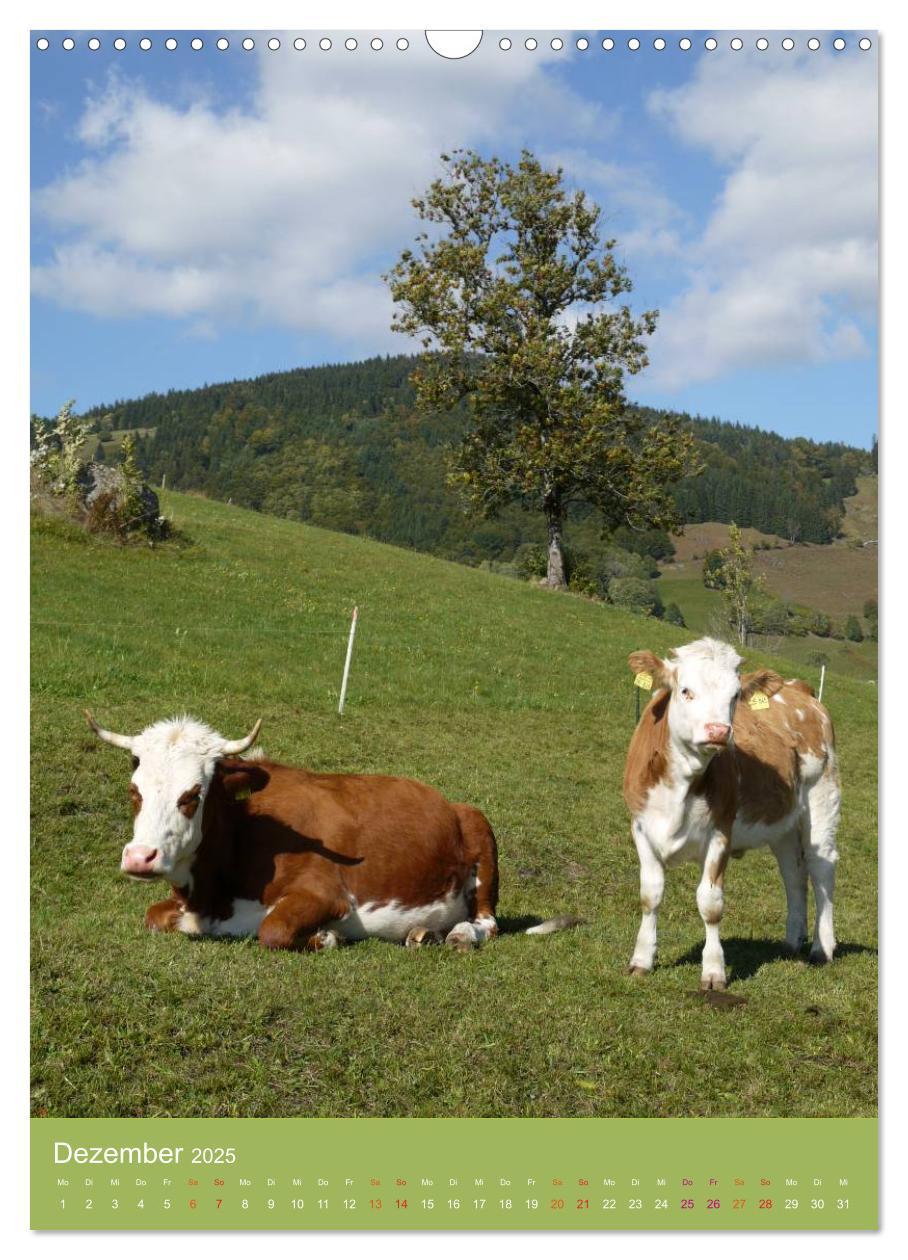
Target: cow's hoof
(462,938)
(818,957)
(633,969)
(714,983)
(794,948)
(419,936)
(326,939)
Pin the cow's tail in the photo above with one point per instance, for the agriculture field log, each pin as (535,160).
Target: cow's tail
(559,924)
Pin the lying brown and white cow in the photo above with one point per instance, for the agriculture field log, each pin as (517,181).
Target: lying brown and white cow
(720,764)
(304,860)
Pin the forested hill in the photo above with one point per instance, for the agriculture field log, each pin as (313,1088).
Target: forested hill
(341,446)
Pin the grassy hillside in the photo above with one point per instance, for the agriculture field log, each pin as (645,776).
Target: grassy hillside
(498,693)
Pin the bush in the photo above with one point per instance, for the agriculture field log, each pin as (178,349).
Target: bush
(819,624)
(798,627)
(637,594)
(618,563)
(713,563)
(872,617)
(853,630)
(648,542)
(531,560)
(56,456)
(674,615)
(770,616)
(579,572)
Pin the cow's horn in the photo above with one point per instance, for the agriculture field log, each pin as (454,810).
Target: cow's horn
(110,737)
(232,746)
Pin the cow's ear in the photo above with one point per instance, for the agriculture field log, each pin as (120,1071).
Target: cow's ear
(241,777)
(765,680)
(649,663)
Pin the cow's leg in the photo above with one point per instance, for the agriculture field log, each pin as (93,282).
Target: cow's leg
(481,854)
(818,837)
(299,920)
(164,916)
(711,903)
(419,936)
(793,868)
(652,884)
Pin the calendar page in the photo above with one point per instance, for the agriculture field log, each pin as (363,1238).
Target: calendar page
(453,470)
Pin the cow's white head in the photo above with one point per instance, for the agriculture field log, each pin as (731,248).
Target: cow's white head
(173,763)
(705,688)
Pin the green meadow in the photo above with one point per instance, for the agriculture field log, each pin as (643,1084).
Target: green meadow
(498,693)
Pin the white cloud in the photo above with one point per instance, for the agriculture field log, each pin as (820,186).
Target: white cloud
(785,269)
(279,212)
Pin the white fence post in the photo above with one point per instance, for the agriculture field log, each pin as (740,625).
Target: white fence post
(822,681)
(343,694)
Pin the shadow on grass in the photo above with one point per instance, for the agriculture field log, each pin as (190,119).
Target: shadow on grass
(506,927)
(744,957)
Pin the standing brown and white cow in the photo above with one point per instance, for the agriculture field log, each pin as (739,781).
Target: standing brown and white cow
(720,764)
(304,860)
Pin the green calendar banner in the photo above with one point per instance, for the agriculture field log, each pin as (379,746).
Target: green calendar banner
(454,1174)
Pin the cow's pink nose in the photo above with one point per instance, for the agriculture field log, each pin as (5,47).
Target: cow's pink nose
(717,733)
(138,859)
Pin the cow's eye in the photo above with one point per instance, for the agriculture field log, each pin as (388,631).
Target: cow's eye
(687,693)
(135,763)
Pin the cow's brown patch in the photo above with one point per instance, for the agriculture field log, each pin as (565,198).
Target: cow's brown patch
(768,744)
(188,801)
(135,797)
(647,758)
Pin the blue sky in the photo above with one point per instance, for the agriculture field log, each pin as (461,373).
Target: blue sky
(205,215)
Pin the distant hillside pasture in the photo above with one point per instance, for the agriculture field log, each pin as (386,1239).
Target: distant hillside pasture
(836,579)
(497,692)
(701,537)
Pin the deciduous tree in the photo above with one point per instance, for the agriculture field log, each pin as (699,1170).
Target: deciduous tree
(513,293)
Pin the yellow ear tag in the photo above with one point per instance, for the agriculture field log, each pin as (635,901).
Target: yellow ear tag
(759,700)
(644,681)
(242,794)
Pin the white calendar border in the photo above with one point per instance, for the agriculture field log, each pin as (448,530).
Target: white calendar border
(279,14)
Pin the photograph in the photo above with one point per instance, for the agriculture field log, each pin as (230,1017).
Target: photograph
(454,561)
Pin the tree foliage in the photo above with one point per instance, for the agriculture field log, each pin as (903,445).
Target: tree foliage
(673,615)
(512,295)
(739,584)
(58,445)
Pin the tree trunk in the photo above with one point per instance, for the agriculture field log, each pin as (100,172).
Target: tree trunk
(556,575)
